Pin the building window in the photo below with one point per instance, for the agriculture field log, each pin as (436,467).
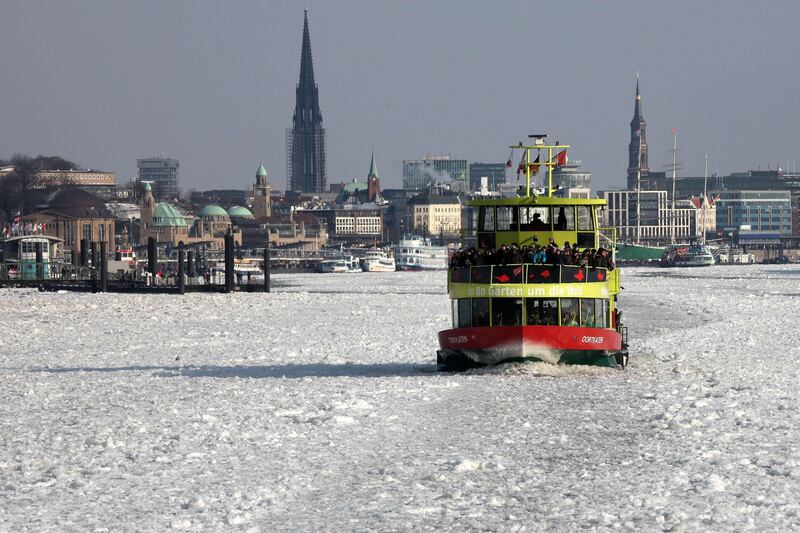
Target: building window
(87,231)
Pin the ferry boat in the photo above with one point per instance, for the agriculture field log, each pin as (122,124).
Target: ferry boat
(687,255)
(376,260)
(418,253)
(561,314)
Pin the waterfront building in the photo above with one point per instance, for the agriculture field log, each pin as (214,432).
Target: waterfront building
(305,141)
(435,214)
(760,210)
(692,217)
(162,221)
(163,175)
(357,215)
(495,174)
(101,184)
(432,169)
(72,215)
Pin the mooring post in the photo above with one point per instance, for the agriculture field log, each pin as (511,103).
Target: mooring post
(266,266)
(190,271)
(94,256)
(103,267)
(39,262)
(228,262)
(181,280)
(84,252)
(152,255)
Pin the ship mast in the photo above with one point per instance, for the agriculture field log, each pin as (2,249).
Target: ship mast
(639,195)
(674,181)
(705,203)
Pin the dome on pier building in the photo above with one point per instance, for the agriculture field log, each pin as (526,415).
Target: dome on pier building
(167,216)
(214,212)
(239,211)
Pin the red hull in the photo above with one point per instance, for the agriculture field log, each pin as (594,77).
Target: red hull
(554,344)
(562,338)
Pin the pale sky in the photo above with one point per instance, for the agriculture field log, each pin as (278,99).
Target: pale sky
(212,83)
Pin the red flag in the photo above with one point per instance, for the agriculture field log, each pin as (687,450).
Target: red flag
(561,158)
(534,166)
(521,166)
(508,163)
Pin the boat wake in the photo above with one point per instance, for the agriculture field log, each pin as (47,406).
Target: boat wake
(541,369)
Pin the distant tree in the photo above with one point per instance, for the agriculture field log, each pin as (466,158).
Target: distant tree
(54,162)
(25,187)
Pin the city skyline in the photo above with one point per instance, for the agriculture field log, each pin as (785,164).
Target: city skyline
(105,84)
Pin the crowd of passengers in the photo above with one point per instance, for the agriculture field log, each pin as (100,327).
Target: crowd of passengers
(536,254)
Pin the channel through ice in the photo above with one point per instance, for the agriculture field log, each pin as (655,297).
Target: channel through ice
(318,408)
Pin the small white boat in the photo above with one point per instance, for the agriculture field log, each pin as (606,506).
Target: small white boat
(339,265)
(376,260)
(417,253)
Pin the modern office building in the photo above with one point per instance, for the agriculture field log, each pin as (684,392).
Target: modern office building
(305,141)
(692,217)
(432,169)
(760,210)
(572,181)
(494,172)
(162,174)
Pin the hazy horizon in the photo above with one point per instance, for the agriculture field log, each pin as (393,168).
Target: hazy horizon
(103,83)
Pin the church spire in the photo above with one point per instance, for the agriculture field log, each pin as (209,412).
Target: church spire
(637,149)
(306,64)
(305,142)
(637,109)
(373,167)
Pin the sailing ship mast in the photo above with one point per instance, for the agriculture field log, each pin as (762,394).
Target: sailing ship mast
(704,205)
(674,181)
(639,195)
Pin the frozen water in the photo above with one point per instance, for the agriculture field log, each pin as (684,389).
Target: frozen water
(318,407)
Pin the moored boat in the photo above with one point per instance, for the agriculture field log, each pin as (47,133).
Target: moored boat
(339,265)
(532,309)
(418,253)
(687,255)
(376,260)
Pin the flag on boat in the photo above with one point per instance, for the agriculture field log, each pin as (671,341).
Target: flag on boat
(510,156)
(521,166)
(534,166)
(561,158)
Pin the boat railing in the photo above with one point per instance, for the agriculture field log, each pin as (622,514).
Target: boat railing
(528,273)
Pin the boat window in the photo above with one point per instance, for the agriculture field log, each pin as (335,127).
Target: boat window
(541,312)
(585,222)
(564,218)
(506,218)
(534,218)
(464,310)
(486,218)
(480,312)
(507,312)
(569,312)
(588,317)
(601,313)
